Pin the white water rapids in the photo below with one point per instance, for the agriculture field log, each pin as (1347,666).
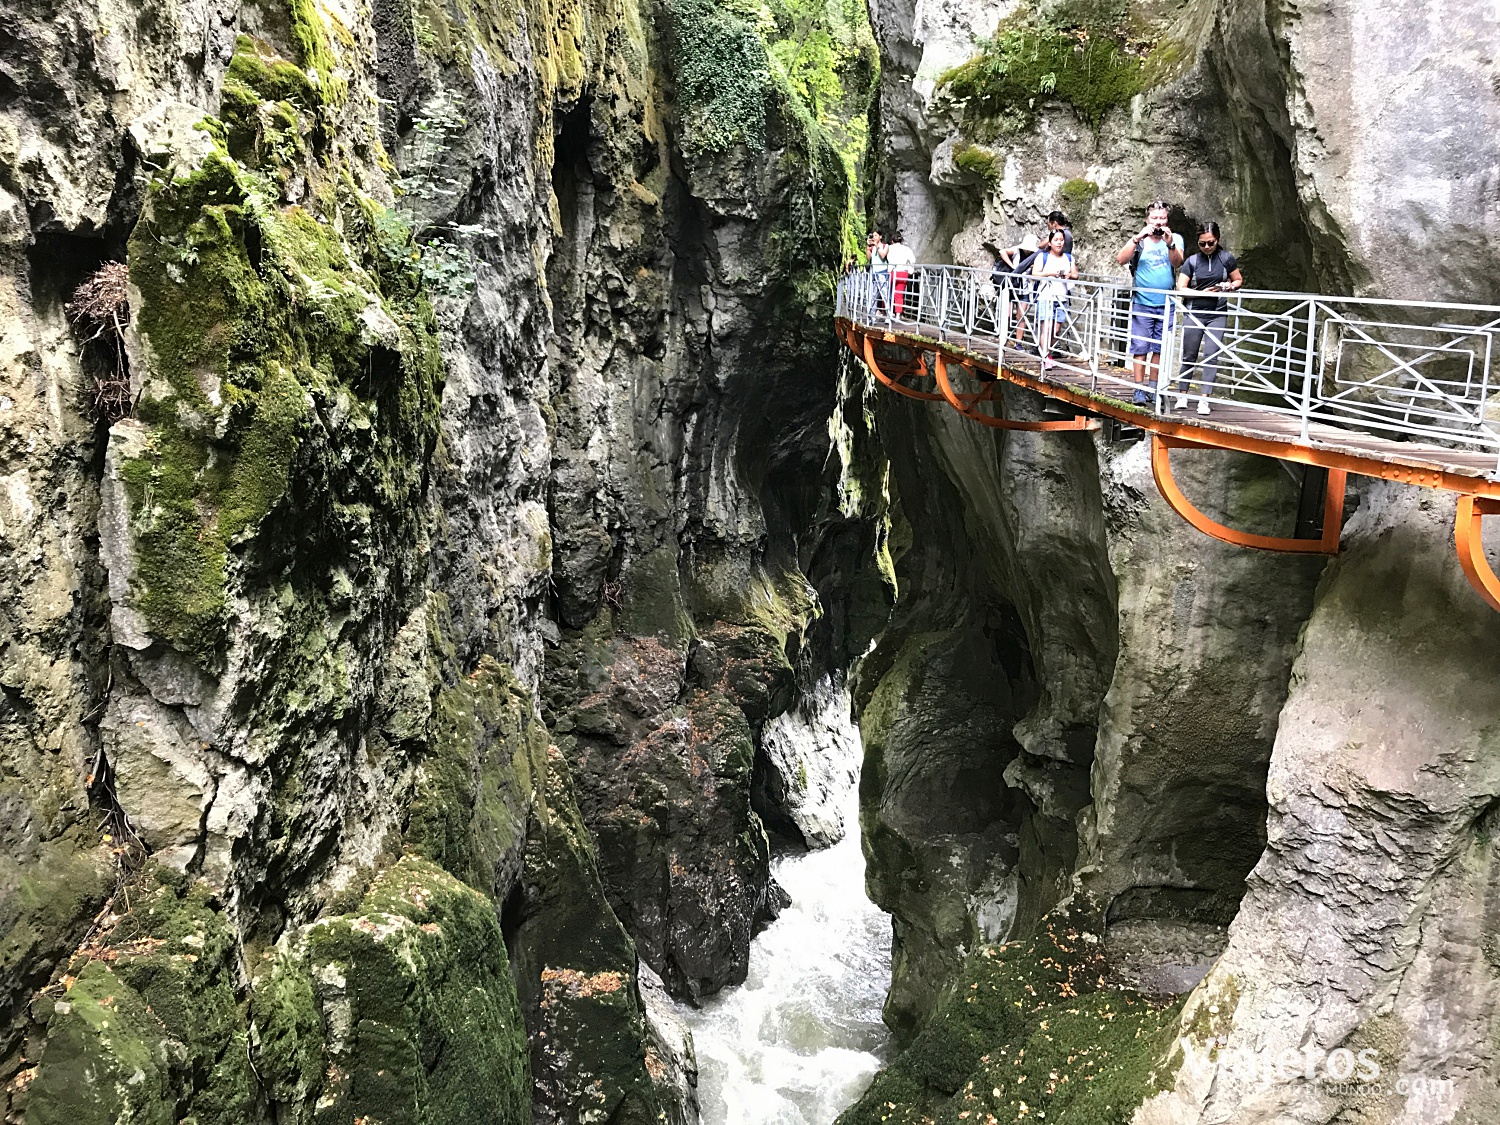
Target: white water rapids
(800,1040)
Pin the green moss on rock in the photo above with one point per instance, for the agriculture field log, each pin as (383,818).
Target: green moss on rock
(1078,193)
(153,1005)
(1029,1022)
(426,1029)
(577,971)
(106,1059)
(255,317)
(1085,56)
(486,749)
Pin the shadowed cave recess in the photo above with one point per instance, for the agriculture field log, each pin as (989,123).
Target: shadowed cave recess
(451,577)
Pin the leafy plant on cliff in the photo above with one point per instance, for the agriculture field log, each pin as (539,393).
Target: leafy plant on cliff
(1088,57)
(761,75)
(722,74)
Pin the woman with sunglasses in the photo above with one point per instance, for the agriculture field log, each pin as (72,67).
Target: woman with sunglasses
(1212,269)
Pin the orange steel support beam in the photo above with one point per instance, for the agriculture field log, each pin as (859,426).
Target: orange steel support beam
(964,404)
(1333,507)
(1477,498)
(1468,536)
(874,365)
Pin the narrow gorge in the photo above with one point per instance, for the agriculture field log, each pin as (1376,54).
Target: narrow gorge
(452,575)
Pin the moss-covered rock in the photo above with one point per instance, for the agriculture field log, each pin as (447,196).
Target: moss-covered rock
(152,1011)
(106,1060)
(419,1012)
(1092,57)
(591,1055)
(486,749)
(1029,1029)
(259,319)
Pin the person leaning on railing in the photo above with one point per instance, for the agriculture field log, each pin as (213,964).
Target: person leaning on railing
(900,258)
(1013,268)
(1212,269)
(1152,256)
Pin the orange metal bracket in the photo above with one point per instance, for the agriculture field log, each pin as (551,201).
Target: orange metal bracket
(874,365)
(1333,507)
(964,404)
(1468,535)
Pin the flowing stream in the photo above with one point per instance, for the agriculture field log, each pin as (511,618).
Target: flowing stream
(800,1040)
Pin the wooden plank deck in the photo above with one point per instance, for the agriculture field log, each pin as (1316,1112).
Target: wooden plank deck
(1229,426)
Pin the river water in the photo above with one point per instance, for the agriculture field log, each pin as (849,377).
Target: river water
(800,1040)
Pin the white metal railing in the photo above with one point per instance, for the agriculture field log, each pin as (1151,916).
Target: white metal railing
(1402,370)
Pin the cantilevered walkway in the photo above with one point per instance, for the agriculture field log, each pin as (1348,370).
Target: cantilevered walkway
(1399,390)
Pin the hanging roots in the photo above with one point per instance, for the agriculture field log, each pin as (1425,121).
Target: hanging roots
(99,311)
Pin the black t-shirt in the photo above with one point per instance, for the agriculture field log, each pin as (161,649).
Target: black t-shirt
(1000,272)
(1204,271)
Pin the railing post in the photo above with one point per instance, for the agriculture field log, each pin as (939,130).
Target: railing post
(1096,315)
(1164,357)
(943,309)
(971,297)
(1307,367)
(1004,326)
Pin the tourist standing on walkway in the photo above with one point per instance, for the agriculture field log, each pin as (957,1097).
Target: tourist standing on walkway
(1152,256)
(880,269)
(1058,221)
(900,258)
(1018,261)
(1212,269)
(1052,270)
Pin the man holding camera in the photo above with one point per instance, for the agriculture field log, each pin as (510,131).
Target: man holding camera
(880,269)
(1153,256)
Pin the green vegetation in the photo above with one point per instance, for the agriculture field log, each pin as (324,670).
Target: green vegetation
(981,162)
(1089,56)
(434,1032)
(257,316)
(1077,194)
(795,76)
(487,751)
(722,74)
(149,1028)
(1029,1031)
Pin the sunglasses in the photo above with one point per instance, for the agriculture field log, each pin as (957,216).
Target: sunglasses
(1206,245)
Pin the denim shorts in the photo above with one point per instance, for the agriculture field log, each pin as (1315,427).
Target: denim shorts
(1146,323)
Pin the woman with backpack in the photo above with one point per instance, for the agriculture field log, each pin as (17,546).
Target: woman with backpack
(1052,270)
(1212,269)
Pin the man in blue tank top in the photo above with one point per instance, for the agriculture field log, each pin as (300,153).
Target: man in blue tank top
(1153,257)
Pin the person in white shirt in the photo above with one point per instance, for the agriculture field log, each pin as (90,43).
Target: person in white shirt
(879,268)
(900,258)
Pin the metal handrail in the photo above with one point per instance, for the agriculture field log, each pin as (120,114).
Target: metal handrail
(1403,370)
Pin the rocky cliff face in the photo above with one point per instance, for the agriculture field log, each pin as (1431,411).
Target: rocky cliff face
(464,367)
(1215,750)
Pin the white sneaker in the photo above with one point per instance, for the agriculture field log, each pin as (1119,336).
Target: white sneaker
(1181,403)
(1202,405)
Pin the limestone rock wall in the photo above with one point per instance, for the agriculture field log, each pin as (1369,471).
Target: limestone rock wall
(453,464)
(1220,746)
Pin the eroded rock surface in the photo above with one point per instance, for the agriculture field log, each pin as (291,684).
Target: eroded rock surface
(1187,754)
(447,335)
